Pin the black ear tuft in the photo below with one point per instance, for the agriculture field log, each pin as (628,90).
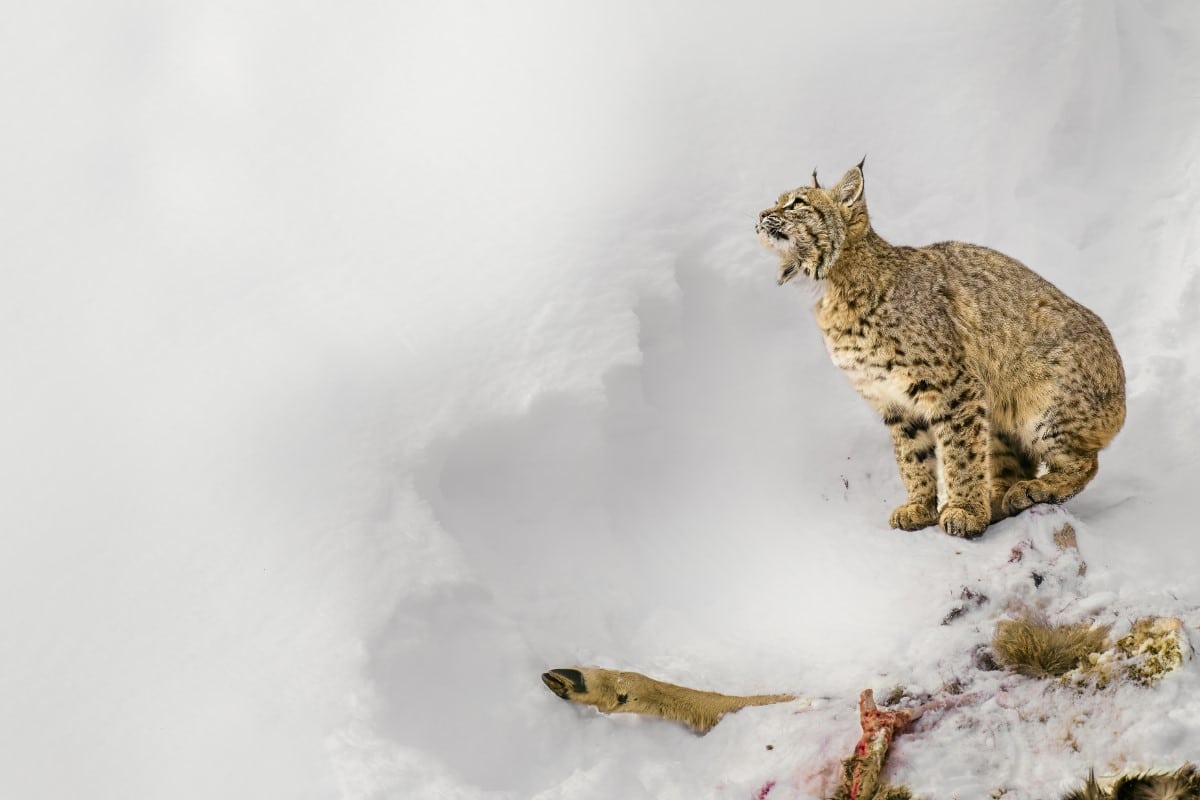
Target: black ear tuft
(816,183)
(864,160)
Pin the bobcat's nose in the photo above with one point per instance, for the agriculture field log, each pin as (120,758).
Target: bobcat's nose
(771,224)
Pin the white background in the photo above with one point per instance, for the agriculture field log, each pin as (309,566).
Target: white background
(362,361)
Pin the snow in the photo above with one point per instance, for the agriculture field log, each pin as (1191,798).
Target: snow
(363,363)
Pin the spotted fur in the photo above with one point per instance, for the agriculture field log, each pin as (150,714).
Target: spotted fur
(968,356)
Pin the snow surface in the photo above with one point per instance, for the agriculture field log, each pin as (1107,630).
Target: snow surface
(363,362)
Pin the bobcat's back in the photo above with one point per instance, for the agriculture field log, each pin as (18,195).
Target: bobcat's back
(1006,326)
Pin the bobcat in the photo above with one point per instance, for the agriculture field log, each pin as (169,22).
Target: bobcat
(960,349)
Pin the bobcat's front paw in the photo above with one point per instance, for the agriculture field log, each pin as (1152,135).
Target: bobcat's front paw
(964,522)
(913,516)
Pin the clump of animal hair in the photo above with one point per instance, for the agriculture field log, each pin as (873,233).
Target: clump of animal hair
(1182,784)
(872,778)
(1031,645)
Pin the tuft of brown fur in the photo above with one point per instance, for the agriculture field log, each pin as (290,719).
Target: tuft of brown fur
(968,356)
(1182,784)
(1035,647)
(613,691)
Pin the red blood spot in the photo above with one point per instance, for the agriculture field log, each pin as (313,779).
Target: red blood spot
(765,790)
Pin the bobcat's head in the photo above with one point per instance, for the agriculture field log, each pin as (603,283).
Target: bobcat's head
(808,227)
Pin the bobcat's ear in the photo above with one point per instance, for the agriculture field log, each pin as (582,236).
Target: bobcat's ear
(850,188)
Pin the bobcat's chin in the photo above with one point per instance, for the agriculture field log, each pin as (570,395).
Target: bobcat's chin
(791,261)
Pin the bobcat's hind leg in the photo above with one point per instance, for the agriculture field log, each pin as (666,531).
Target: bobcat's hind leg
(1067,439)
(916,458)
(1009,462)
(1069,472)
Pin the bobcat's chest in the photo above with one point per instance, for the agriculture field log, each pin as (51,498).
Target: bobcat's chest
(874,363)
